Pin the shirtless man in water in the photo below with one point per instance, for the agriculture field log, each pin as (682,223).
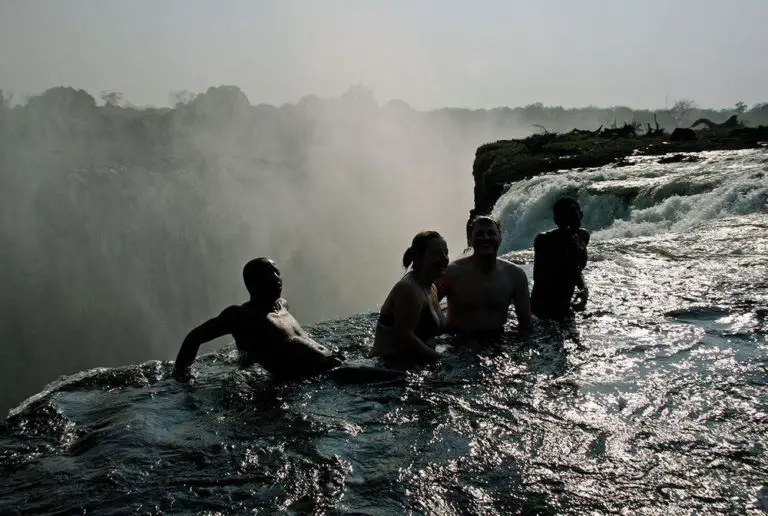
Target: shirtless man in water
(267,334)
(481,287)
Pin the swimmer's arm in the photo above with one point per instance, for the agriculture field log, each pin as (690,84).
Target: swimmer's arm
(443,285)
(442,289)
(407,311)
(584,234)
(580,281)
(206,332)
(583,294)
(436,299)
(521,298)
(582,241)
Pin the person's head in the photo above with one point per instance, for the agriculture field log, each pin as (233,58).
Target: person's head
(428,254)
(263,281)
(567,213)
(484,235)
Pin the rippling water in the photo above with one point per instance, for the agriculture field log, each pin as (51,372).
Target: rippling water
(652,402)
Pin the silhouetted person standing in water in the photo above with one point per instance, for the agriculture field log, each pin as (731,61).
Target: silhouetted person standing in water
(560,256)
(267,334)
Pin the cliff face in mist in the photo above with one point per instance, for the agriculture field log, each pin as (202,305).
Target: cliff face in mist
(122,227)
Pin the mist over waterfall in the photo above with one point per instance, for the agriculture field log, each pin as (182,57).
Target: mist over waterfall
(122,228)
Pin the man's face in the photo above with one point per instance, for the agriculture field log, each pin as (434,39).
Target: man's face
(486,238)
(265,281)
(273,282)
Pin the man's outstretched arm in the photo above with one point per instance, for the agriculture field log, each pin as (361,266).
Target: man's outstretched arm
(206,332)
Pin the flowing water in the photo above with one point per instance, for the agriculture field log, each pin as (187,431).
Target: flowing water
(654,401)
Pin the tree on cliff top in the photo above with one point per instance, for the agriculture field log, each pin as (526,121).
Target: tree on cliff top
(5,99)
(181,98)
(682,109)
(360,97)
(221,101)
(63,99)
(112,98)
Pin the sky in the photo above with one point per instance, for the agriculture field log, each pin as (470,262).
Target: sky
(429,53)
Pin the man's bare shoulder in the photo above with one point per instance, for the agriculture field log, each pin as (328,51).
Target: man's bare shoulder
(459,264)
(515,271)
(505,264)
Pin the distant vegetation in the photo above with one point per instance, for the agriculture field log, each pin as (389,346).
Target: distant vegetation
(73,113)
(123,225)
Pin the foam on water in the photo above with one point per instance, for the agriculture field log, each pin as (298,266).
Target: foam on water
(645,198)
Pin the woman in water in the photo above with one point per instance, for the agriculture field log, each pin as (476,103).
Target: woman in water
(410,316)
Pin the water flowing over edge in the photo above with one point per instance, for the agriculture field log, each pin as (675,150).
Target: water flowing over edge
(653,402)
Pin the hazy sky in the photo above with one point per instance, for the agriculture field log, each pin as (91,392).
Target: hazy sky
(430,53)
